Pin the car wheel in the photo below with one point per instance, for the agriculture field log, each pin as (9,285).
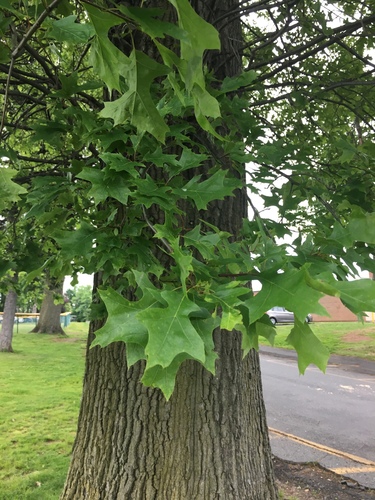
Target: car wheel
(273,321)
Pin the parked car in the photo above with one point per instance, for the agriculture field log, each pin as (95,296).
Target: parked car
(281,315)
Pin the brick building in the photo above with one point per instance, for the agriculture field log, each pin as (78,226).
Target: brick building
(337,311)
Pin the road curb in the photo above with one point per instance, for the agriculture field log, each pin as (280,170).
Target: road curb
(348,363)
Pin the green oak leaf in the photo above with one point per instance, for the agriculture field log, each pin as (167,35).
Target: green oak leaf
(109,62)
(363,228)
(348,151)
(188,159)
(288,289)
(70,86)
(233,83)
(10,191)
(358,295)
(308,347)
(5,266)
(204,243)
(183,260)
(164,377)
(252,332)
(78,242)
(150,24)
(136,105)
(149,193)
(37,272)
(341,236)
(171,331)
(134,353)
(328,286)
(5,53)
(105,186)
(147,288)
(68,30)
(51,132)
(159,158)
(250,339)
(119,163)
(122,323)
(205,327)
(227,297)
(7,5)
(205,105)
(200,36)
(216,187)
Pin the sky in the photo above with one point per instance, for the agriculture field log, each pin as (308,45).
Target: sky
(83,280)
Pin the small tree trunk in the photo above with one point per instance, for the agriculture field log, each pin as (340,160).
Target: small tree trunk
(49,317)
(6,333)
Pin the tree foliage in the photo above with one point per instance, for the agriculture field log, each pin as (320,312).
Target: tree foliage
(101,142)
(80,302)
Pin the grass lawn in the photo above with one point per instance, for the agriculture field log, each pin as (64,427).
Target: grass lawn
(344,339)
(40,389)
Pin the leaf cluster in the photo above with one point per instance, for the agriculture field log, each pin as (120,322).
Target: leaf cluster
(124,142)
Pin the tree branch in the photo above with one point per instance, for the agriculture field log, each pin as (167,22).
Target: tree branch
(17,50)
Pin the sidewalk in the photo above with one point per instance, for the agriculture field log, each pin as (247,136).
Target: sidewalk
(350,364)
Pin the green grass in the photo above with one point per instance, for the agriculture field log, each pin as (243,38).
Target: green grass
(40,389)
(344,339)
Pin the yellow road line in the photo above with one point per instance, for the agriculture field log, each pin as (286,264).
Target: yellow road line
(351,470)
(322,447)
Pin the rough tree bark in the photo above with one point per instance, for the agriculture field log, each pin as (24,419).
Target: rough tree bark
(49,317)
(210,441)
(6,333)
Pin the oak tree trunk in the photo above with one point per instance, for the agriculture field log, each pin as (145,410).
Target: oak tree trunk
(6,333)
(210,441)
(49,317)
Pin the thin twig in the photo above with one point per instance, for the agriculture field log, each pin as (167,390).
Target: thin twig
(259,218)
(150,225)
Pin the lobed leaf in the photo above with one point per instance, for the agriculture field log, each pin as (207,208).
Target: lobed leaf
(68,30)
(216,187)
(136,105)
(164,377)
(106,58)
(105,186)
(78,242)
(308,347)
(122,323)
(10,191)
(288,289)
(171,331)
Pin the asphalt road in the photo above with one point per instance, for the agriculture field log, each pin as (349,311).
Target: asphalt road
(329,418)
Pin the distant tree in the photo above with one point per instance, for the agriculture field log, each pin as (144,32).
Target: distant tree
(17,295)
(30,294)
(51,308)
(10,306)
(80,302)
